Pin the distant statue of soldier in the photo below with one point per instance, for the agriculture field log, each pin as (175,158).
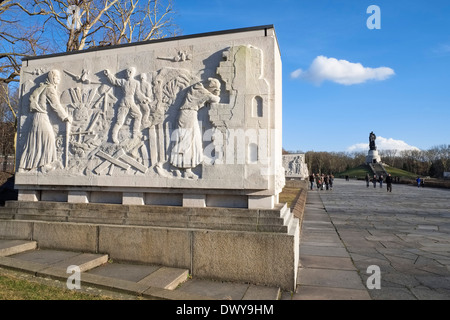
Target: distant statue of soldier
(372,138)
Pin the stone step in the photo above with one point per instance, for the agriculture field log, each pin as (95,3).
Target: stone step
(11,247)
(119,211)
(276,220)
(42,259)
(95,269)
(166,278)
(85,261)
(144,276)
(6,213)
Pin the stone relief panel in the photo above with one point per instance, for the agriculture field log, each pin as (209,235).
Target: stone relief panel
(295,165)
(142,119)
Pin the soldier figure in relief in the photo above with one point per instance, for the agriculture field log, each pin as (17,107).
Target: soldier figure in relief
(127,105)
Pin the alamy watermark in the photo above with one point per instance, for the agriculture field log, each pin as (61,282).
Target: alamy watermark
(73,17)
(374,21)
(74,280)
(374,281)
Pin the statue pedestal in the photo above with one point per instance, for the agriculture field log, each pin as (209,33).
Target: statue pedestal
(373,157)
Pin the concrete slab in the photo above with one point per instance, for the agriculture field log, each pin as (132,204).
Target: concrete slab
(84,261)
(322,244)
(11,247)
(123,271)
(45,257)
(110,283)
(319,293)
(338,263)
(389,293)
(163,294)
(215,289)
(261,293)
(166,278)
(22,265)
(328,251)
(330,278)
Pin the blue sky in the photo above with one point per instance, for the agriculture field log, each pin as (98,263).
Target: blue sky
(350,80)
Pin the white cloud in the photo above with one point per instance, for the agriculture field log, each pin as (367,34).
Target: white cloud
(383,144)
(341,71)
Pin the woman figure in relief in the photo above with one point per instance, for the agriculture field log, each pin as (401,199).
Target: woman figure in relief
(40,145)
(187,151)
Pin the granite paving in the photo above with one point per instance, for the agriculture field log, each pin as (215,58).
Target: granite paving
(405,233)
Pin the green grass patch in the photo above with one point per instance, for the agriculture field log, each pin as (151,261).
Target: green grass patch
(12,288)
(288,195)
(395,172)
(361,171)
(358,172)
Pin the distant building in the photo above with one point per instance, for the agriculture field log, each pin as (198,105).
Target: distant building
(295,166)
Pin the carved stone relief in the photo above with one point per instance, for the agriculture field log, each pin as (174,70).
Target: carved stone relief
(295,166)
(130,121)
(40,146)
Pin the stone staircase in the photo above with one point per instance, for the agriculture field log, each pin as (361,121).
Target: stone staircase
(134,280)
(378,169)
(96,270)
(258,220)
(208,243)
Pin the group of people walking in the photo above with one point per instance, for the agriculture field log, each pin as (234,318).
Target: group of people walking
(375,180)
(321,180)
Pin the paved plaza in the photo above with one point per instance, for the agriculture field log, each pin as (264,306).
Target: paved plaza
(406,234)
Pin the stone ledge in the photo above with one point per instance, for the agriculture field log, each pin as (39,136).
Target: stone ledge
(259,220)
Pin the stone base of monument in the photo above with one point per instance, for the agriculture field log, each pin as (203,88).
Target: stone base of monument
(259,246)
(373,157)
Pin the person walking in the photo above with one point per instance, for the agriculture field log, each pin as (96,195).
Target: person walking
(318,182)
(330,181)
(374,180)
(367,180)
(389,183)
(311,180)
(381,181)
(418,182)
(325,180)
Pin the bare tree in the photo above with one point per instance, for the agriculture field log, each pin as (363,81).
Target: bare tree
(130,22)
(34,27)
(92,23)
(8,119)
(18,38)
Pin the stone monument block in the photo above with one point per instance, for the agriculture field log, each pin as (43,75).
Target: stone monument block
(127,123)
(164,152)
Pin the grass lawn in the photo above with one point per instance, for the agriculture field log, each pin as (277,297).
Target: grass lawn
(288,195)
(15,286)
(361,171)
(357,172)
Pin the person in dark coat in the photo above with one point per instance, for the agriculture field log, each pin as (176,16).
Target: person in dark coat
(311,180)
(389,182)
